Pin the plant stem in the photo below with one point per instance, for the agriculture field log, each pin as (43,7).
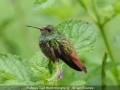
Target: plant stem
(96,12)
(109,19)
(87,10)
(104,71)
(106,41)
(54,77)
(100,25)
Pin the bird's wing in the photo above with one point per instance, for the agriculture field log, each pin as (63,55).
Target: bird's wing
(69,56)
(77,61)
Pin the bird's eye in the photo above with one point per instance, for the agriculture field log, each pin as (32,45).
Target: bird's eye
(49,30)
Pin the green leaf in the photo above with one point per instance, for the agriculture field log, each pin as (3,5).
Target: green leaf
(13,67)
(79,83)
(38,65)
(82,34)
(42,4)
(116,40)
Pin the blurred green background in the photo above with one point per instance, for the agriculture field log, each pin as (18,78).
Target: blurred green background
(16,38)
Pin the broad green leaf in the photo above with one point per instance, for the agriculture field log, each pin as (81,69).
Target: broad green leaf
(13,67)
(116,40)
(82,34)
(79,83)
(42,4)
(38,65)
(40,68)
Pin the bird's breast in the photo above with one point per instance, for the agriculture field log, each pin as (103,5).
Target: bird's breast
(49,49)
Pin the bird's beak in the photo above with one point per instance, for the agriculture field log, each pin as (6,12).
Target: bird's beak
(36,27)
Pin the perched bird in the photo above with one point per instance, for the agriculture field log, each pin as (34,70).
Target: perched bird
(57,46)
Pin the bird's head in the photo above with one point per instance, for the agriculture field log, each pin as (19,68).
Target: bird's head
(46,30)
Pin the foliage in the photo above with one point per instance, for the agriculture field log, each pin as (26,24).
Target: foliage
(15,38)
(19,71)
(14,68)
(79,31)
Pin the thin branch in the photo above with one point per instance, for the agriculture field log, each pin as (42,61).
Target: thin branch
(104,71)
(101,26)
(96,11)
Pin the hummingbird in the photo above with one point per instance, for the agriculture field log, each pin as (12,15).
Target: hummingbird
(56,46)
